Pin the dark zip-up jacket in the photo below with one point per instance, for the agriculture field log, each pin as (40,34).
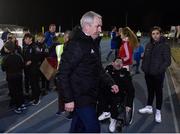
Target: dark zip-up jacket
(81,71)
(13,65)
(123,79)
(157,57)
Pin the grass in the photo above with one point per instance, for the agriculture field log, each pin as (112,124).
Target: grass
(175,51)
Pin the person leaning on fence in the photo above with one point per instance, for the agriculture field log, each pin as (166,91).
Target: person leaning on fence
(156,59)
(80,72)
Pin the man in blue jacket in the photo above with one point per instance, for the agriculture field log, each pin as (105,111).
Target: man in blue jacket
(49,35)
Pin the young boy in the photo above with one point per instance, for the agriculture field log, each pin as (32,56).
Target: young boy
(123,79)
(12,64)
(42,53)
(137,55)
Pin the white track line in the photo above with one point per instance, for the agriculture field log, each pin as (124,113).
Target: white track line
(12,128)
(172,106)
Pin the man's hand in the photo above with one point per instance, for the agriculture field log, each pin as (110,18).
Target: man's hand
(69,106)
(115,89)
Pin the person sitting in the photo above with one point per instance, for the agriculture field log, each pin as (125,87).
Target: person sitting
(109,101)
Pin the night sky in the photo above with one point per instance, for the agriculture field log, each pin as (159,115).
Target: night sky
(138,14)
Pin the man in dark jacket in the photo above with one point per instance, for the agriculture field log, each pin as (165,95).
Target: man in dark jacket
(157,58)
(80,73)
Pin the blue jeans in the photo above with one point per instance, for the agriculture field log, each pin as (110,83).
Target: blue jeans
(85,120)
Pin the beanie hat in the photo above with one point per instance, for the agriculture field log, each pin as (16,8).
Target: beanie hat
(10,46)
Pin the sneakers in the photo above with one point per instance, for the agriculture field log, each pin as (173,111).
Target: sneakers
(23,107)
(18,110)
(158,116)
(36,102)
(104,116)
(112,125)
(146,109)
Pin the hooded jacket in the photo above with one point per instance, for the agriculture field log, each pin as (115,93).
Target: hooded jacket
(81,70)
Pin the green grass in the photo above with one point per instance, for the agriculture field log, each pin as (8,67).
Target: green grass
(0,60)
(175,51)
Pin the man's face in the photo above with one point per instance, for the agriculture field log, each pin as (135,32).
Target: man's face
(94,29)
(156,35)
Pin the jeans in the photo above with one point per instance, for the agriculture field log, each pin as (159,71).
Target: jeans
(85,120)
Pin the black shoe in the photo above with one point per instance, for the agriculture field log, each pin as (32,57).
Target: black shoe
(137,72)
(23,107)
(18,110)
(36,102)
(43,93)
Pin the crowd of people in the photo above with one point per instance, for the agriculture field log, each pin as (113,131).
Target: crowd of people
(26,82)
(86,90)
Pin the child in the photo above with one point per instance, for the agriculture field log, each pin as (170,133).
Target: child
(138,52)
(12,64)
(42,53)
(123,79)
(129,42)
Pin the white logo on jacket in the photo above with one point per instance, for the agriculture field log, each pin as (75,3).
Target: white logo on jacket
(92,51)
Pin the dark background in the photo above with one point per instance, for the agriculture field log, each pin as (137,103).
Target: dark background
(138,14)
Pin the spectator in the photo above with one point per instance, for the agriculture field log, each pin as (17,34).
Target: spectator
(157,58)
(49,35)
(113,42)
(12,64)
(129,42)
(4,34)
(138,53)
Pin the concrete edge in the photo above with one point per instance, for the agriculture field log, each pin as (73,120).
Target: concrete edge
(172,70)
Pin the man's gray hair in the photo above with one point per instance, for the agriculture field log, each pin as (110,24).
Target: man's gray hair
(88,18)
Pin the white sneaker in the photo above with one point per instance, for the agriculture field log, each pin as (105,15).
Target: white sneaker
(158,116)
(146,109)
(104,116)
(112,125)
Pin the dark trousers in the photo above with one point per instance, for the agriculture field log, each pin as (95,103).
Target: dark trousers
(34,82)
(27,79)
(137,65)
(85,120)
(155,86)
(108,102)
(15,86)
